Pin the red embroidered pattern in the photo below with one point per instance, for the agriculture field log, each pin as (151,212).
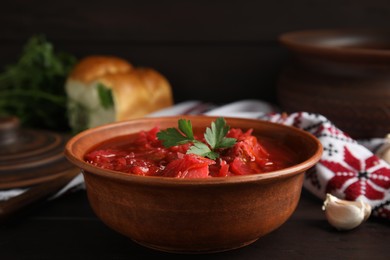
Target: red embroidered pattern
(360,176)
(347,169)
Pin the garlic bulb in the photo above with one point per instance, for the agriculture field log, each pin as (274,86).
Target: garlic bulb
(344,214)
(384,151)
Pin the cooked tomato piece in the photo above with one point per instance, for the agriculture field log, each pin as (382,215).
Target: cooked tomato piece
(240,166)
(143,167)
(220,169)
(148,139)
(105,158)
(189,166)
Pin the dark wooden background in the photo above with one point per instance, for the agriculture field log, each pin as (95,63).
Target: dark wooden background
(217,51)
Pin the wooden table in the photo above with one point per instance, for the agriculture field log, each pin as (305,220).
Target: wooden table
(66,228)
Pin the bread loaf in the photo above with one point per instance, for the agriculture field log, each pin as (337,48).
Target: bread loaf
(105,89)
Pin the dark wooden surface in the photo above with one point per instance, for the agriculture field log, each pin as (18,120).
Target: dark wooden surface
(217,51)
(66,228)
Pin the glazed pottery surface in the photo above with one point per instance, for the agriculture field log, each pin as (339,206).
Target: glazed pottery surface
(194,215)
(341,74)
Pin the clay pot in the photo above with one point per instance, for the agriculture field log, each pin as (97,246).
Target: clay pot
(341,74)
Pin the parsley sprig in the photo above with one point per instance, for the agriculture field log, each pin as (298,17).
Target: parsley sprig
(214,136)
(33,88)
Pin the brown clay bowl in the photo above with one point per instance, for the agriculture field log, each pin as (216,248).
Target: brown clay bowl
(342,74)
(194,215)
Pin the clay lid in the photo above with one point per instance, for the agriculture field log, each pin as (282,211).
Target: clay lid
(29,157)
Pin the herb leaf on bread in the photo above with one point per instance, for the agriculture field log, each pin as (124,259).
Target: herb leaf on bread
(105,96)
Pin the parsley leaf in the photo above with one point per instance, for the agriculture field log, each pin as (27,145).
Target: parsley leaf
(202,149)
(214,136)
(186,128)
(172,137)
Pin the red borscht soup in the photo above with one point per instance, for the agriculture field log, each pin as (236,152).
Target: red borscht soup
(144,154)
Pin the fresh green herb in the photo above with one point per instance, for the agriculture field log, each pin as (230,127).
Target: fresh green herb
(105,96)
(33,88)
(215,137)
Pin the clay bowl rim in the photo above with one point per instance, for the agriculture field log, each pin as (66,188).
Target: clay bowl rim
(313,42)
(283,173)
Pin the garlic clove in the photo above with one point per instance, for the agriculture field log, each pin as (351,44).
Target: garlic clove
(344,214)
(384,151)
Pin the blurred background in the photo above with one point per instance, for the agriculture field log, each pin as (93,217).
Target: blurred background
(217,51)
